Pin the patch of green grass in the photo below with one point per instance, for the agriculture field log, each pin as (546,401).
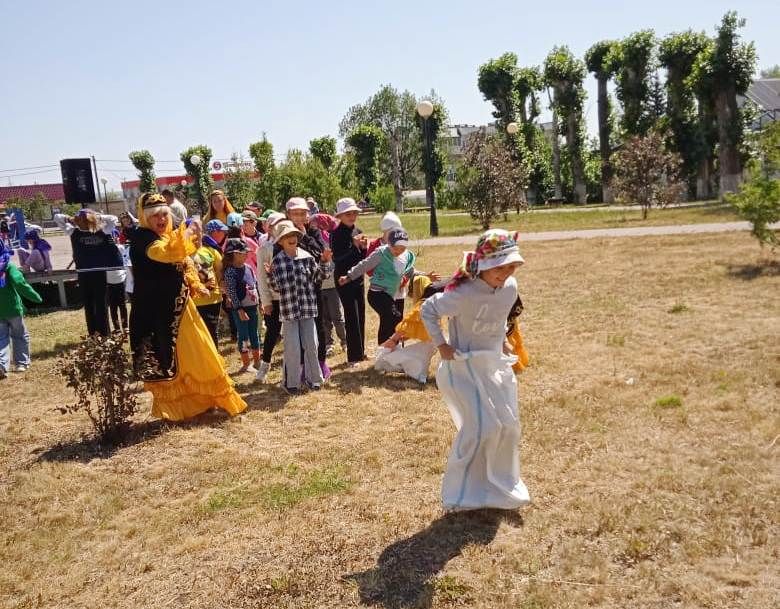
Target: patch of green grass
(678,308)
(452,224)
(669,401)
(282,495)
(317,483)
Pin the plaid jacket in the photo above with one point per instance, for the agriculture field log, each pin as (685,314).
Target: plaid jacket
(296,280)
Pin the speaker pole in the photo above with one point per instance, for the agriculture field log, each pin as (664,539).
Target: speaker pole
(97,181)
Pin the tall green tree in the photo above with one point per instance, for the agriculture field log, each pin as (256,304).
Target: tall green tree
(677,53)
(324,150)
(143,161)
(514,93)
(395,115)
(204,183)
(565,74)
(239,182)
(633,60)
(304,175)
(366,142)
(262,154)
(603,70)
(496,82)
(725,70)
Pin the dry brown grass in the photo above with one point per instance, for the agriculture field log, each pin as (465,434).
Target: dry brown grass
(650,438)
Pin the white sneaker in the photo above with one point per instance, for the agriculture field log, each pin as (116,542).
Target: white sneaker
(262,371)
(20,368)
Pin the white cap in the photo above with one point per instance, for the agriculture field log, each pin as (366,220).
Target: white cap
(390,220)
(344,205)
(297,203)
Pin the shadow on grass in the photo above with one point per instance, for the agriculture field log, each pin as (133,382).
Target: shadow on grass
(263,396)
(88,448)
(748,272)
(404,571)
(57,349)
(349,382)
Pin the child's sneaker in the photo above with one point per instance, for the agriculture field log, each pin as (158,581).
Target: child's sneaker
(2,374)
(20,368)
(262,371)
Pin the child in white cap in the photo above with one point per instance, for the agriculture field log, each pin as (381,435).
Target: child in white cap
(349,248)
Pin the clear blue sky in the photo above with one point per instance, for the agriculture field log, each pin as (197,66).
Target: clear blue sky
(85,78)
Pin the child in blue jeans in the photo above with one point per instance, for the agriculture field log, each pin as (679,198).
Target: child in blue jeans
(241,290)
(12,329)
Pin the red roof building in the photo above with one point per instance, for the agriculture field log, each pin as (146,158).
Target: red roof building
(52,192)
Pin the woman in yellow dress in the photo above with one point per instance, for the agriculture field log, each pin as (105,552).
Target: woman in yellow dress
(219,207)
(172,349)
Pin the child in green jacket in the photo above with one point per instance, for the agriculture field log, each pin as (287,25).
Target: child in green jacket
(13,287)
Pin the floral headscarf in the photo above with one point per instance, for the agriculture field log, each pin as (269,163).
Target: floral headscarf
(494,247)
(325,224)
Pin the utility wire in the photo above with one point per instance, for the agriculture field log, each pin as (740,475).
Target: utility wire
(27,168)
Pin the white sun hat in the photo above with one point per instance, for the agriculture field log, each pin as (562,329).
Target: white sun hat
(344,205)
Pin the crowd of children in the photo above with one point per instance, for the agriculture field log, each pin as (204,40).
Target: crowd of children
(296,277)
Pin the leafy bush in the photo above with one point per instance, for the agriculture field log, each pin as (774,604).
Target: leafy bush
(383,198)
(647,174)
(758,200)
(490,179)
(449,197)
(101,375)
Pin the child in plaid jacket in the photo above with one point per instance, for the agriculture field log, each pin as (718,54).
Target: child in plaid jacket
(294,274)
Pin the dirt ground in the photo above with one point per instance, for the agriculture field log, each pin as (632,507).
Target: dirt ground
(650,441)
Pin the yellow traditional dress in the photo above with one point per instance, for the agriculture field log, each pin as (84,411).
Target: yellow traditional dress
(172,347)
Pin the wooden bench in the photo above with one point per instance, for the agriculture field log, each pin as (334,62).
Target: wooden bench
(417,208)
(58,277)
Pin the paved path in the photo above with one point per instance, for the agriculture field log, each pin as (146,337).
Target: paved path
(597,233)
(61,254)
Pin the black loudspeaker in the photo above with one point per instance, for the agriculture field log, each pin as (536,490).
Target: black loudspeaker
(77,180)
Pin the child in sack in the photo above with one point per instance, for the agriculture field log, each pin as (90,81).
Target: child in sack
(394,355)
(476,378)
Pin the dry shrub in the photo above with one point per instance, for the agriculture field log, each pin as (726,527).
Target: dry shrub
(101,375)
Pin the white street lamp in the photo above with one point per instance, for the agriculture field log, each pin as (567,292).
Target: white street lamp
(104,181)
(425,108)
(512,128)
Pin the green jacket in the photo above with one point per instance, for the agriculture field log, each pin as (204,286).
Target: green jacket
(16,288)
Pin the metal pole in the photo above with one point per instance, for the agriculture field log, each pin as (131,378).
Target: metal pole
(430,198)
(97,179)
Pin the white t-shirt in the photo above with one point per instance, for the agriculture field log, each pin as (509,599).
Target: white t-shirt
(400,262)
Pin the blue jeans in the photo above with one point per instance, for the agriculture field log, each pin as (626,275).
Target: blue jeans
(247,330)
(14,330)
